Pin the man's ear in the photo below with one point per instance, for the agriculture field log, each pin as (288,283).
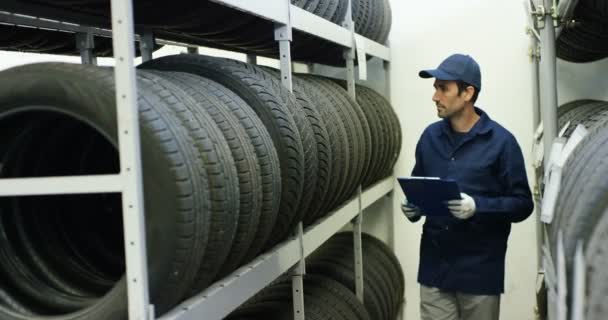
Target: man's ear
(468,93)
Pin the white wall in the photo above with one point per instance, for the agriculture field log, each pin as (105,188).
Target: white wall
(493,32)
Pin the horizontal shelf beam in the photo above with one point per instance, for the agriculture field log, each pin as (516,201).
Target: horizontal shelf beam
(60,185)
(275,10)
(48,24)
(374,48)
(226,295)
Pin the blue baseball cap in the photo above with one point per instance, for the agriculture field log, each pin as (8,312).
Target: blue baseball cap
(456,67)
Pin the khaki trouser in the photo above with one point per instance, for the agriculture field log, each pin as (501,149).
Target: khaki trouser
(441,305)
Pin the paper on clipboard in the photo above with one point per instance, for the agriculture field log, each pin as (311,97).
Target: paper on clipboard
(430,193)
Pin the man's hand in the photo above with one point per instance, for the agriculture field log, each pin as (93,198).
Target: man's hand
(410,210)
(463,208)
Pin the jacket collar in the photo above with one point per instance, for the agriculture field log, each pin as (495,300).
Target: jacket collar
(482,126)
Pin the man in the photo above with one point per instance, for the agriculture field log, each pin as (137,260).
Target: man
(462,256)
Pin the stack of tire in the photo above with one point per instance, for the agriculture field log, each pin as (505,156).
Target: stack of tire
(587,40)
(329,286)
(372,20)
(581,212)
(212,24)
(232,162)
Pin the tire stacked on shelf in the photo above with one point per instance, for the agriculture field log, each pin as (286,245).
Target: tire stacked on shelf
(206,23)
(372,20)
(54,247)
(583,197)
(356,129)
(596,258)
(285,121)
(324,299)
(385,133)
(587,40)
(232,162)
(338,153)
(330,273)
(202,183)
(593,115)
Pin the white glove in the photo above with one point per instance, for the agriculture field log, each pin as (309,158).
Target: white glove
(409,210)
(463,208)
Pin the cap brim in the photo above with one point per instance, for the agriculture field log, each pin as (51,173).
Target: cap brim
(437,74)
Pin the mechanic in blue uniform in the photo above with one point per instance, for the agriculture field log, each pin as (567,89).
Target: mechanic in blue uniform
(462,256)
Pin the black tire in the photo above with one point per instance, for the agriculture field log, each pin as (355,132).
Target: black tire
(318,185)
(340,14)
(585,42)
(381,131)
(245,161)
(354,135)
(361,121)
(324,298)
(589,113)
(340,162)
(213,151)
(267,157)
(176,194)
(344,274)
(309,125)
(596,258)
(584,194)
(260,93)
(340,251)
(395,127)
(44,240)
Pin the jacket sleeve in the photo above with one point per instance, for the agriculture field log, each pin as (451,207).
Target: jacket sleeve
(418,170)
(516,204)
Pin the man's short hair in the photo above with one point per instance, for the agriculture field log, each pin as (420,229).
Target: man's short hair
(462,86)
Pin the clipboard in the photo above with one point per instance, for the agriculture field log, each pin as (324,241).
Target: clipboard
(429,193)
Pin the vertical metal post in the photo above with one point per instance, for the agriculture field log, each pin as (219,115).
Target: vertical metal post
(146,45)
(357,223)
(349,56)
(252,59)
(283,35)
(193,50)
(548,79)
(390,195)
(297,279)
(130,161)
(578,288)
(85,43)
(349,53)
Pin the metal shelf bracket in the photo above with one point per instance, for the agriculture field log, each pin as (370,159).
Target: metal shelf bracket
(85,42)
(146,45)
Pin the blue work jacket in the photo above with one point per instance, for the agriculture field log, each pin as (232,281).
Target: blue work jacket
(469,255)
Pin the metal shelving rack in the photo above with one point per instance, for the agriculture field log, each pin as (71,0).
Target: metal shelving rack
(225,295)
(548,17)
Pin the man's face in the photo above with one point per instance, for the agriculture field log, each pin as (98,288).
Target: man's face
(447,99)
